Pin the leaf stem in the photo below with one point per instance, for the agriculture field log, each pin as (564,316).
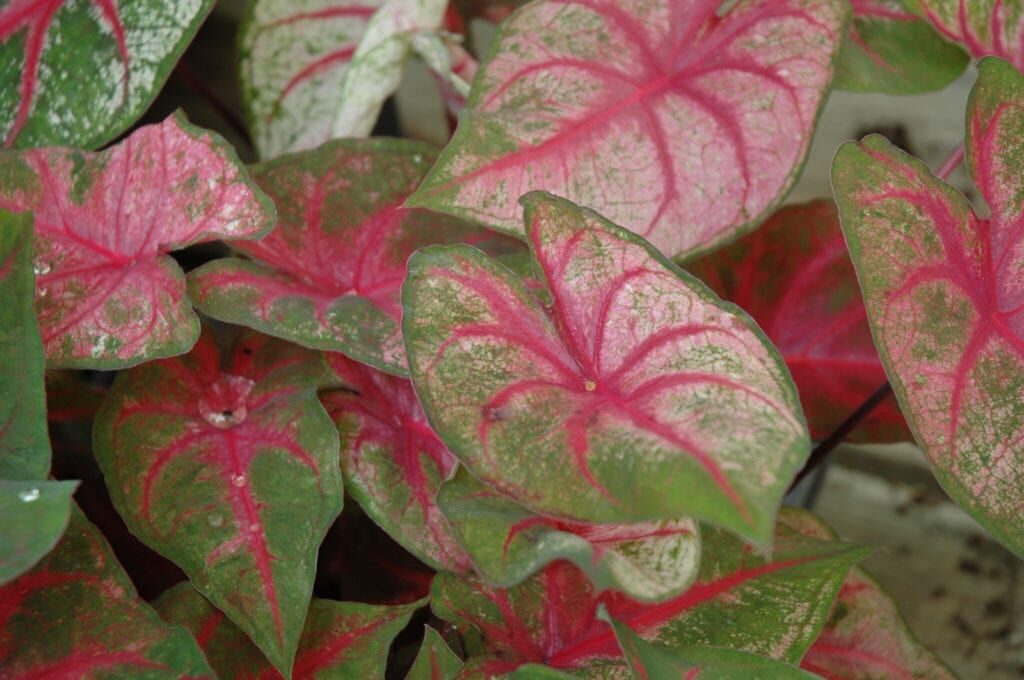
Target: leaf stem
(833,440)
(951,163)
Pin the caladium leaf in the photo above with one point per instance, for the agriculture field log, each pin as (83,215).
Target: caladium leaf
(507,543)
(795,277)
(329,276)
(76,615)
(24,443)
(944,299)
(35,514)
(983,27)
(655,662)
(686,132)
(107,295)
(80,73)
(891,50)
(436,660)
(634,360)
(773,607)
(340,640)
(865,637)
(294,55)
(393,463)
(230,469)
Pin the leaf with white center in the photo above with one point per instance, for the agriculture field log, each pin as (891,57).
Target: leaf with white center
(80,72)
(673,121)
(507,543)
(293,58)
(634,361)
(228,465)
(945,299)
(108,295)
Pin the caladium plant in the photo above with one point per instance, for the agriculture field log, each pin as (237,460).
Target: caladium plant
(565,456)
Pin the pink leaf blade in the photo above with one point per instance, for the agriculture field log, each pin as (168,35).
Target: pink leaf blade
(199,480)
(543,403)
(649,136)
(107,295)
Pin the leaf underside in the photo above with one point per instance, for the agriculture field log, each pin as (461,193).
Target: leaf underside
(687,132)
(634,359)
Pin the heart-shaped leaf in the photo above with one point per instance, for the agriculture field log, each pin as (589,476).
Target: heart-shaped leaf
(80,73)
(655,662)
(686,132)
(507,543)
(107,295)
(774,607)
(983,27)
(76,615)
(230,469)
(24,443)
(294,55)
(865,637)
(435,660)
(330,275)
(340,640)
(891,50)
(35,515)
(635,360)
(392,461)
(794,276)
(944,297)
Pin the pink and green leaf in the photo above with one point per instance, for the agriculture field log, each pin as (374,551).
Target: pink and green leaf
(229,467)
(982,27)
(392,461)
(435,660)
(656,662)
(891,50)
(943,294)
(80,73)
(687,131)
(340,640)
(773,607)
(76,615)
(865,637)
(329,276)
(107,294)
(293,58)
(24,442)
(35,515)
(634,360)
(507,543)
(795,277)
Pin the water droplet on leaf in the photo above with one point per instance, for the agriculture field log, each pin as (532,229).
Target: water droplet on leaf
(29,495)
(223,404)
(40,268)
(215,520)
(238,480)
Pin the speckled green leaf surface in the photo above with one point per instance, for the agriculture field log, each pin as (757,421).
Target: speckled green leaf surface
(228,465)
(35,514)
(341,640)
(435,660)
(656,662)
(330,274)
(24,443)
(773,607)
(673,121)
(508,543)
(76,615)
(107,293)
(983,27)
(80,72)
(944,297)
(865,637)
(634,360)
(891,50)
(293,59)
(393,462)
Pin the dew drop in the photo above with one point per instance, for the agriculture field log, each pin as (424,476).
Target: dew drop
(238,480)
(29,495)
(590,385)
(215,520)
(418,158)
(223,403)
(40,268)
(254,527)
